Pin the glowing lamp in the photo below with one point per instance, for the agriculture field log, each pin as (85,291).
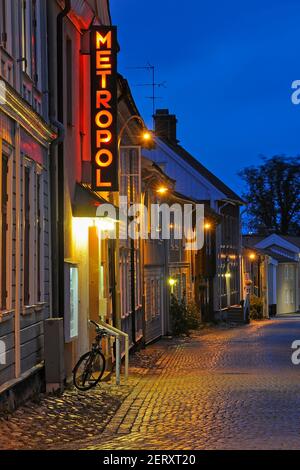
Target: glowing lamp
(147,136)
(172,282)
(162,190)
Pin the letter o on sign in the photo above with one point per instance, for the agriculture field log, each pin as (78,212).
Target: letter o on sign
(106,153)
(106,122)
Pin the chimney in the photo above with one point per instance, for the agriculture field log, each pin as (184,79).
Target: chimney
(165,125)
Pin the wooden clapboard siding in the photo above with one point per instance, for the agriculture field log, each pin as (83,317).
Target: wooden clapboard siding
(6,327)
(32,332)
(7,373)
(32,345)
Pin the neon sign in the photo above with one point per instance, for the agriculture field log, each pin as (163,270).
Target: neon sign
(104,132)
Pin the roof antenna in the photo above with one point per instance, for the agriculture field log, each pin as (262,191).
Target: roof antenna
(153,86)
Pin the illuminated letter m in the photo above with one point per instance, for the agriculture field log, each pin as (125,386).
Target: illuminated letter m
(103,40)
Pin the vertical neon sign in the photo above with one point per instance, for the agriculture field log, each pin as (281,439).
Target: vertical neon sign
(104,132)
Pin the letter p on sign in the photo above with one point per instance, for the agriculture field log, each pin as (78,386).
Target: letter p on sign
(2,353)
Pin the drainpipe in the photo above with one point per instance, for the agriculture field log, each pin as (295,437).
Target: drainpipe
(54,216)
(60,154)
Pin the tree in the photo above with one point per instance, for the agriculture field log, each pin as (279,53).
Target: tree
(273,195)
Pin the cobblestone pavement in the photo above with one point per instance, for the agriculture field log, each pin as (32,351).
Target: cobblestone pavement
(220,389)
(54,421)
(232,389)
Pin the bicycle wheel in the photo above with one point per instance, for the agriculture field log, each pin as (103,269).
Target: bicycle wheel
(89,370)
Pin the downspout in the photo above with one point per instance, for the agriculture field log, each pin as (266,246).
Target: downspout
(60,153)
(54,218)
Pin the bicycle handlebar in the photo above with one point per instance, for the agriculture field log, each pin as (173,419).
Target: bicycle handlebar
(98,327)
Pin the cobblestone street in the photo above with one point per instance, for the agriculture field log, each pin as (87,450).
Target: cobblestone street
(221,389)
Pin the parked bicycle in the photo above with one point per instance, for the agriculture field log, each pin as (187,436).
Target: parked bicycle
(91,366)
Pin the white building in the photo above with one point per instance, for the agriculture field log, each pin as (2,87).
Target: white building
(283,270)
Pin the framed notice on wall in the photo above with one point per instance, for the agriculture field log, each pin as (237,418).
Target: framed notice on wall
(71,302)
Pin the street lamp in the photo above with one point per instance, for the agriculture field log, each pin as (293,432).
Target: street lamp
(146,135)
(162,190)
(172,283)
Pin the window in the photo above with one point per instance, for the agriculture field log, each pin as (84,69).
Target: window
(3,71)
(3,19)
(288,272)
(153,296)
(158,296)
(38,237)
(125,280)
(4,227)
(34,58)
(291,296)
(24,36)
(27,251)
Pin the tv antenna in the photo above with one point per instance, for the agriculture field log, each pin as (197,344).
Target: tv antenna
(153,85)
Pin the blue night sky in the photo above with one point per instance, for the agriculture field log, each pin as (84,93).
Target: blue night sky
(228,67)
